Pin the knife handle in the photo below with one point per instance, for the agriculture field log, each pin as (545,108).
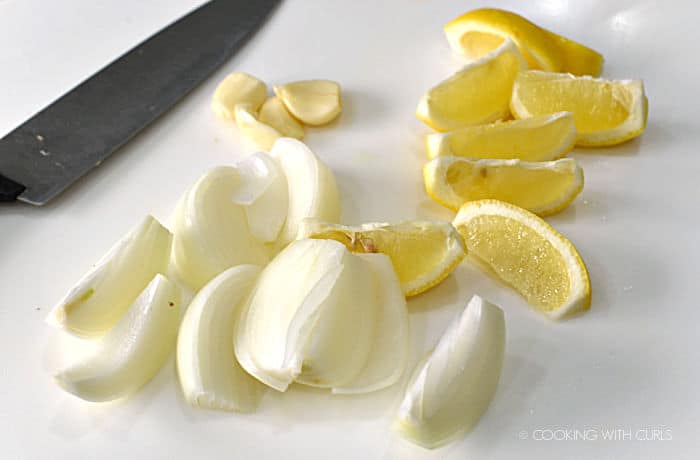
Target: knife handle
(9,189)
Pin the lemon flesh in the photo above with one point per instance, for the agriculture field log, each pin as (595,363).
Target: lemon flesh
(480,31)
(535,139)
(606,112)
(527,254)
(479,93)
(423,253)
(543,188)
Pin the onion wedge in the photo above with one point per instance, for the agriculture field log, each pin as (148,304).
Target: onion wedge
(389,350)
(132,352)
(263,192)
(310,317)
(313,192)
(211,232)
(209,373)
(104,294)
(453,386)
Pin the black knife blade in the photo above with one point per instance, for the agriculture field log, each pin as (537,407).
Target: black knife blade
(43,156)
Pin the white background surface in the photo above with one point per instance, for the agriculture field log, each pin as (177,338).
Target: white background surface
(631,363)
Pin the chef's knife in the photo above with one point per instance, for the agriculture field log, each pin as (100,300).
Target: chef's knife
(42,157)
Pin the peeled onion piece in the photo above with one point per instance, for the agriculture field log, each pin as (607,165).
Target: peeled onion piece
(313,192)
(131,353)
(452,388)
(310,317)
(263,192)
(211,232)
(389,348)
(105,293)
(209,373)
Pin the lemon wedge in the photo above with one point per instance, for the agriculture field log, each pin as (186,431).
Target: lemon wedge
(606,112)
(543,188)
(423,253)
(313,102)
(237,88)
(527,254)
(479,93)
(260,134)
(480,31)
(273,114)
(534,139)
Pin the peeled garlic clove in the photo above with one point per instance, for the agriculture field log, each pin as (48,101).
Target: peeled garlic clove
(209,373)
(273,113)
(313,192)
(313,102)
(299,302)
(450,391)
(263,191)
(211,232)
(238,88)
(389,345)
(339,344)
(105,293)
(132,352)
(259,133)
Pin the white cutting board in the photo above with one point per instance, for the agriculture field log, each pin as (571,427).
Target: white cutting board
(630,364)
